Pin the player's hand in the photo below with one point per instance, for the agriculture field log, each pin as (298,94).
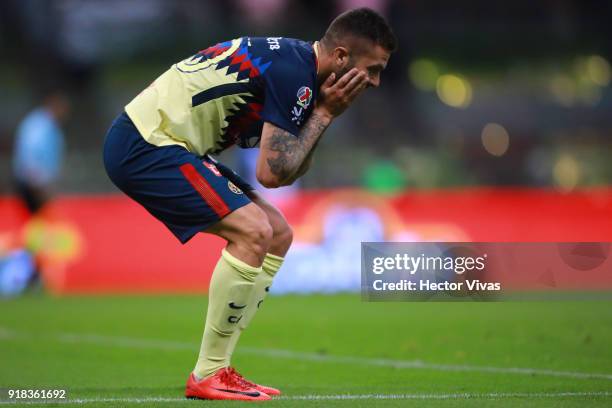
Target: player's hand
(336,96)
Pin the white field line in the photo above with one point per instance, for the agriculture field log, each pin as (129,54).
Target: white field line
(314,397)
(385,362)
(158,344)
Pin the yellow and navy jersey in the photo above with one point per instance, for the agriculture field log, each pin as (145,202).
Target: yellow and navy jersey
(222,95)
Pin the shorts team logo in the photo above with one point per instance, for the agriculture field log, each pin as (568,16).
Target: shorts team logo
(304,96)
(233,188)
(212,168)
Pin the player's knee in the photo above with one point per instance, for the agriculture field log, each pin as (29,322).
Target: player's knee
(258,236)
(283,235)
(255,232)
(261,232)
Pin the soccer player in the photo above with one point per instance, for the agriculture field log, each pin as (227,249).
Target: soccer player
(276,93)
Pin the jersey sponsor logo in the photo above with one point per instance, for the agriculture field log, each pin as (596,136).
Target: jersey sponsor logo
(274,43)
(304,96)
(297,114)
(212,168)
(233,188)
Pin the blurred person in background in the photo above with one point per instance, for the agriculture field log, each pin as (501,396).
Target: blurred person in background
(37,162)
(39,151)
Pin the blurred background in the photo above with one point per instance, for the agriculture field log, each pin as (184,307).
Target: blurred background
(493,122)
(497,94)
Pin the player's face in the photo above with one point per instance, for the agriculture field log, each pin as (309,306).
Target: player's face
(363,55)
(372,60)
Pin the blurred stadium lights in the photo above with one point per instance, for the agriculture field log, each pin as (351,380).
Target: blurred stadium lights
(454,90)
(563,90)
(537,73)
(582,85)
(424,74)
(495,139)
(590,95)
(566,172)
(598,69)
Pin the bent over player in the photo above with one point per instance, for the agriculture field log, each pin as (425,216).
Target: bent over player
(276,93)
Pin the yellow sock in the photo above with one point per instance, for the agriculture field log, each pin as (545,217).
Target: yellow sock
(271,265)
(231,288)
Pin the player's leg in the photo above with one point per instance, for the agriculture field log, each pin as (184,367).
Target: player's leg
(248,234)
(279,244)
(34,198)
(281,239)
(282,236)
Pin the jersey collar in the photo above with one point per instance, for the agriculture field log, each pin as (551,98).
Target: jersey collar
(315,47)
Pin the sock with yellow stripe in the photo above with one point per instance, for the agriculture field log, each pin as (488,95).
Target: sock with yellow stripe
(231,289)
(271,265)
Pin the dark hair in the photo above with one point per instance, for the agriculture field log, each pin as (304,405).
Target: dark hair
(361,22)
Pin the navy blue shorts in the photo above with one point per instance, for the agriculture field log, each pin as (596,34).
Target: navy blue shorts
(186,192)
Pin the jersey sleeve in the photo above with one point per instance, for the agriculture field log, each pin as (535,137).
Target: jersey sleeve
(288,95)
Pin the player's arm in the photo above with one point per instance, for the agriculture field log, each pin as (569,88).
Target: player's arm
(305,164)
(282,154)
(284,157)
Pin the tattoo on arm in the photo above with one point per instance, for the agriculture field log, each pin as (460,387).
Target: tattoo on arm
(291,150)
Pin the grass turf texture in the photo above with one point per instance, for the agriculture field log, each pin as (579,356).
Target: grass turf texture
(125,348)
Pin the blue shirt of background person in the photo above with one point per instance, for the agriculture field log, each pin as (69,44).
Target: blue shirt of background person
(39,144)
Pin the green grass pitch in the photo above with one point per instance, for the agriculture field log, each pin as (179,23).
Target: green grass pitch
(323,351)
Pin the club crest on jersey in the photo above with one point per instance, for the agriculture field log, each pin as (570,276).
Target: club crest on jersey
(212,168)
(304,96)
(233,188)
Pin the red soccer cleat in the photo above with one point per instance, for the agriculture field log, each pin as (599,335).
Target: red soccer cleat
(262,388)
(223,385)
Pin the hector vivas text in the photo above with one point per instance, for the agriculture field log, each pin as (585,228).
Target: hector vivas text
(428,266)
